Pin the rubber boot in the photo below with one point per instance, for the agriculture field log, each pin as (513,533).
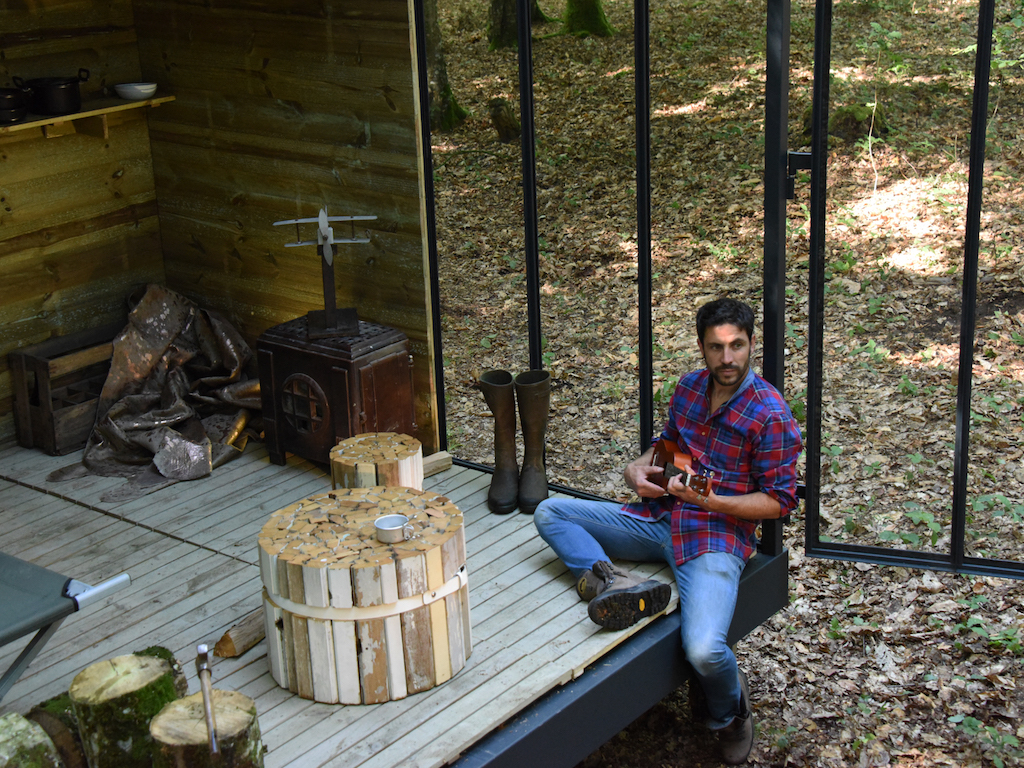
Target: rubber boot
(533,393)
(500,396)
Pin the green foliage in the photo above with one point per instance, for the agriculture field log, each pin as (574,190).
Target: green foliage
(920,516)
(1002,746)
(907,387)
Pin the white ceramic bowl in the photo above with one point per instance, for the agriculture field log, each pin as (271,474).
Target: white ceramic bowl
(135,90)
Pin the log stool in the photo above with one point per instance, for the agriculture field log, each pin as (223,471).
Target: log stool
(377,458)
(352,620)
(115,700)
(180,735)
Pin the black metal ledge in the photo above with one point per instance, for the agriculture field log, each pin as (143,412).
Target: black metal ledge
(567,724)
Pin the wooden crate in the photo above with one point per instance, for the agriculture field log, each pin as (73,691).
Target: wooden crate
(56,388)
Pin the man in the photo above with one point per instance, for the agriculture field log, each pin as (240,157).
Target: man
(735,424)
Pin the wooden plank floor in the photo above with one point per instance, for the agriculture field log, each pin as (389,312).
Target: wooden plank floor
(190,549)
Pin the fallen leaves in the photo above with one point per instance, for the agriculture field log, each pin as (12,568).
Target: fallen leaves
(867,665)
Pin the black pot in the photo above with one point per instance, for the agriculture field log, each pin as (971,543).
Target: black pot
(55,95)
(14,98)
(11,116)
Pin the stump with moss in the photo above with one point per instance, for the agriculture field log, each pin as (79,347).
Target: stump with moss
(57,718)
(24,744)
(114,701)
(180,736)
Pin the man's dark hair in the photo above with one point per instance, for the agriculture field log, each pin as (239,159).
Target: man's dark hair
(725,312)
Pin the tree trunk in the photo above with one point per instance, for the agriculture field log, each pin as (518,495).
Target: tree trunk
(24,744)
(114,701)
(586,17)
(502,26)
(181,739)
(445,112)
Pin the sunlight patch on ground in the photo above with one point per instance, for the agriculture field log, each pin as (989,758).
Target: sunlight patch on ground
(904,208)
(682,109)
(917,258)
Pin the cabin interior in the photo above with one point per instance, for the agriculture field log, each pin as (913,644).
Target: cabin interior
(277,110)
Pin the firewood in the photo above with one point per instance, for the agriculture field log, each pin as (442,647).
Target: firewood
(114,701)
(241,637)
(24,743)
(180,735)
(436,463)
(348,618)
(377,458)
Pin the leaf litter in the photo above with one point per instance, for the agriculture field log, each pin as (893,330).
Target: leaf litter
(868,665)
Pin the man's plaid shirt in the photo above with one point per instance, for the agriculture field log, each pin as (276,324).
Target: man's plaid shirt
(751,444)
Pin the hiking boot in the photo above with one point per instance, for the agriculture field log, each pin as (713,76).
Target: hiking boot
(589,586)
(736,740)
(624,598)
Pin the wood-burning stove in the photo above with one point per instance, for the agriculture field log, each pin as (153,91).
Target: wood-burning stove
(317,391)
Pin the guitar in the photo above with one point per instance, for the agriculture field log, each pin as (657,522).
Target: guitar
(674,462)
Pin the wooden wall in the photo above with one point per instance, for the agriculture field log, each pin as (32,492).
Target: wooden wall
(78,214)
(283,108)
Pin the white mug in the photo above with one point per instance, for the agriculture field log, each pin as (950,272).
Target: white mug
(392,529)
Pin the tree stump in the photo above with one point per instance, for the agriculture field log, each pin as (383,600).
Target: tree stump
(180,737)
(355,621)
(504,121)
(377,458)
(57,718)
(24,744)
(114,701)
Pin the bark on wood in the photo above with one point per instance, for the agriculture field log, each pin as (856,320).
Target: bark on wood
(114,701)
(322,552)
(503,24)
(241,637)
(586,17)
(24,744)
(445,112)
(58,720)
(180,734)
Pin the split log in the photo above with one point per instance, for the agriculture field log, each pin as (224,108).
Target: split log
(180,736)
(114,701)
(377,458)
(24,744)
(351,620)
(241,637)
(436,462)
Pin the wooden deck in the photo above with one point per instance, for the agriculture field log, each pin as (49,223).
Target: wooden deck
(190,549)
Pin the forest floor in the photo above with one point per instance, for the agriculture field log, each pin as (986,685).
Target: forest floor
(868,665)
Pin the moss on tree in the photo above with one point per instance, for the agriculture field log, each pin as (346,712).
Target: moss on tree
(586,17)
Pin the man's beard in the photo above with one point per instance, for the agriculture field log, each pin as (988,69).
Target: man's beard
(716,374)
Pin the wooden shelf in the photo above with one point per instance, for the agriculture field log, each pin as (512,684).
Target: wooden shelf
(92,121)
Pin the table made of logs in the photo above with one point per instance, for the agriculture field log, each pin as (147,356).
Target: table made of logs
(352,620)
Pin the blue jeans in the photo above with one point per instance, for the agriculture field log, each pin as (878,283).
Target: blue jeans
(584,532)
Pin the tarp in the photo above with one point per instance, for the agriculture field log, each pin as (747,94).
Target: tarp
(180,393)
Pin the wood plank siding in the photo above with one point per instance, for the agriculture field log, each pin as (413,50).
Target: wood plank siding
(280,108)
(78,214)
